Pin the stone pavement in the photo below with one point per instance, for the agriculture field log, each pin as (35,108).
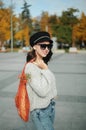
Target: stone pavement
(70,72)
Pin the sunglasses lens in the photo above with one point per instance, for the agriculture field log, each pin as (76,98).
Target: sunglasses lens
(50,46)
(43,46)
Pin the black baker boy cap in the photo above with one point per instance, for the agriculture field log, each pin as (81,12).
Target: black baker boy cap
(38,37)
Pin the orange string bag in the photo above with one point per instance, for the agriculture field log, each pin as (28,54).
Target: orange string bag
(22,101)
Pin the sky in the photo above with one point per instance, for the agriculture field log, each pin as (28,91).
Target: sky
(51,6)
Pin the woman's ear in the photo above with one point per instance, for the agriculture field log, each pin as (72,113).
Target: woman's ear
(34,47)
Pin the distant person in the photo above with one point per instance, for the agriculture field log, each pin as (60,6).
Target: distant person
(41,86)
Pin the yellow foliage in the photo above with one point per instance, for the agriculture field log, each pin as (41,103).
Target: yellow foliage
(44,22)
(19,35)
(79,30)
(4,24)
(23,35)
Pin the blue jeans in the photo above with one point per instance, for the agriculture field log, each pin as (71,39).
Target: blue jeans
(43,119)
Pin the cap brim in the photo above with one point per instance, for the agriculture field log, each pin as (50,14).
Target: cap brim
(45,40)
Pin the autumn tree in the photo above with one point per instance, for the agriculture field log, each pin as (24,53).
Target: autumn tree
(22,32)
(4,25)
(80,30)
(44,21)
(53,23)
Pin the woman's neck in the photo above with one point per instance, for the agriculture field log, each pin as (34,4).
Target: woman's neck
(38,58)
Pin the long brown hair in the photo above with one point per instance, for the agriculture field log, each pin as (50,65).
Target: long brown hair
(32,55)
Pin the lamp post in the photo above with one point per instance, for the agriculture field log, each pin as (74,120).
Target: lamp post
(11,28)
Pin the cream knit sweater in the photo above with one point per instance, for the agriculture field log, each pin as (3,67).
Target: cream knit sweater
(41,86)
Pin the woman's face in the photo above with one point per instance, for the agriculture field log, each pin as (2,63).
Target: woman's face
(43,48)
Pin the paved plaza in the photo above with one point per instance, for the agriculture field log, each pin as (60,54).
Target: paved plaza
(70,73)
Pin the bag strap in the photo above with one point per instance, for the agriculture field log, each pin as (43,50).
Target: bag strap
(24,68)
(26,64)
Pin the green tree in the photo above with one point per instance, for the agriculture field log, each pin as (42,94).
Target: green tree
(1,4)
(68,20)
(53,22)
(68,17)
(26,23)
(64,34)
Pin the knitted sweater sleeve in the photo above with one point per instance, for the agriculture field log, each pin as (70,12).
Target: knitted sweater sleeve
(40,79)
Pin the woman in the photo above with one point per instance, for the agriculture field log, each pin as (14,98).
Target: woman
(41,85)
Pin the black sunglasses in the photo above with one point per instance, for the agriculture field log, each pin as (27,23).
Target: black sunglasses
(43,46)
